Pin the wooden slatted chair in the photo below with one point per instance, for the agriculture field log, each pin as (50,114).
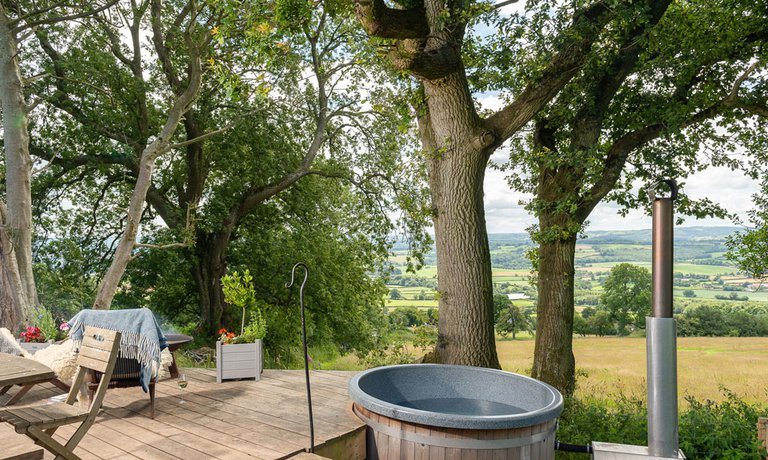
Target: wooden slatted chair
(97,353)
(127,374)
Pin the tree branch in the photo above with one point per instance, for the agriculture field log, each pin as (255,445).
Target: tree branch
(609,77)
(378,20)
(162,50)
(733,95)
(161,246)
(56,19)
(210,134)
(500,5)
(757,109)
(622,147)
(60,98)
(586,26)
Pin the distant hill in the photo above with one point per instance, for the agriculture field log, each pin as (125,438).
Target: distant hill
(625,236)
(688,234)
(698,245)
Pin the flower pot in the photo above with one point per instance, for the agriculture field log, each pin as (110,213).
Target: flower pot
(239,360)
(33,347)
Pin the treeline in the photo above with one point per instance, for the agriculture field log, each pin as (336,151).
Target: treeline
(698,321)
(625,301)
(707,320)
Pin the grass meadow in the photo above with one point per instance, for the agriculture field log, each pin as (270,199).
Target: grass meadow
(608,366)
(688,269)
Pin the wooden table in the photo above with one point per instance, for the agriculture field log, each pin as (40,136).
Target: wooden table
(25,372)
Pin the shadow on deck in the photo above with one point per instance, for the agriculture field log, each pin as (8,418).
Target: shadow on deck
(232,420)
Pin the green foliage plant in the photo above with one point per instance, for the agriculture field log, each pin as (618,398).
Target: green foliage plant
(748,249)
(395,353)
(47,324)
(256,328)
(239,291)
(708,429)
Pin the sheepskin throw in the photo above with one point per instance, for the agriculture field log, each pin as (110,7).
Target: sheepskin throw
(61,358)
(8,343)
(166,359)
(142,338)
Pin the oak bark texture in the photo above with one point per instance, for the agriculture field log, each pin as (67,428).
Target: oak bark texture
(16,218)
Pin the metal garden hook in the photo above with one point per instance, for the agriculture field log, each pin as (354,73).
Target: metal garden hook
(306,354)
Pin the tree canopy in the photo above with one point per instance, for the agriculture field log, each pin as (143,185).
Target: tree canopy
(291,146)
(627,296)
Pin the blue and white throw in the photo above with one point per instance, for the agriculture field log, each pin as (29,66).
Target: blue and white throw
(142,339)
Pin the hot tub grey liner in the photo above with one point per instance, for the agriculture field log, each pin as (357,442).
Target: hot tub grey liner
(385,390)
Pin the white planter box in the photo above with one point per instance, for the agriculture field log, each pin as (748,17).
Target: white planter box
(239,361)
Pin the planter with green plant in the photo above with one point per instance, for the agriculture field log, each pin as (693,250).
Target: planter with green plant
(43,333)
(241,356)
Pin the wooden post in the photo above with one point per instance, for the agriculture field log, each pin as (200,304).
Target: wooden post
(762,432)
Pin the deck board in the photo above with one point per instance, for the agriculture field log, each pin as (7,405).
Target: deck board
(232,420)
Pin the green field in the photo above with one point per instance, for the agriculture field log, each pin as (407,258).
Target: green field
(411,303)
(612,366)
(617,365)
(685,268)
(758,296)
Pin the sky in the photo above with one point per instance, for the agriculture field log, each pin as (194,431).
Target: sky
(732,189)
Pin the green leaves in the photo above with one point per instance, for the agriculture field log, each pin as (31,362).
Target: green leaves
(238,289)
(748,249)
(627,296)
(293,14)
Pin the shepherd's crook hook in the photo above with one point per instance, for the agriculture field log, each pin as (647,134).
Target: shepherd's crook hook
(306,355)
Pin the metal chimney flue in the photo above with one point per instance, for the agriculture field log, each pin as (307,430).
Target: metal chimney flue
(661,333)
(661,346)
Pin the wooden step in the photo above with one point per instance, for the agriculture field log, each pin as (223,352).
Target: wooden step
(21,452)
(307,456)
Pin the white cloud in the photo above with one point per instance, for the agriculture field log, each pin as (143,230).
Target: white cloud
(731,189)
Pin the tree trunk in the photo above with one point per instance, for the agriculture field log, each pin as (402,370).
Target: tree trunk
(124,251)
(207,269)
(12,301)
(553,356)
(456,167)
(18,164)
(161,144)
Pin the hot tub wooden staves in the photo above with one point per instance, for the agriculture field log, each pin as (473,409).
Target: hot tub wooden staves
(390,439)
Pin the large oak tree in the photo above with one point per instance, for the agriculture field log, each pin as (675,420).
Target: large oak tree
(281,101)
(653,102)
(429,41)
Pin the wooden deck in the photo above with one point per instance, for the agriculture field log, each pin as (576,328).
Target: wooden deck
(232,420)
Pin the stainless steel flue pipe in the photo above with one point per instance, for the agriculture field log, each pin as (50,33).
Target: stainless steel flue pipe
(661,334)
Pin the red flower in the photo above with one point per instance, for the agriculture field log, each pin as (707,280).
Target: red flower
(31,334)
(222,331)
(231,335)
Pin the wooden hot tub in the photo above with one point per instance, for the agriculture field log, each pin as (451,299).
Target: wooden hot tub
(442,411)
